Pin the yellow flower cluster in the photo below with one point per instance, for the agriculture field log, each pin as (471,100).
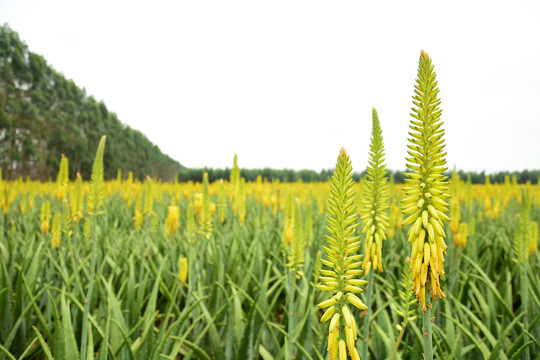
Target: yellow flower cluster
(342,263)
(426,186)
(375,204)
(171,223)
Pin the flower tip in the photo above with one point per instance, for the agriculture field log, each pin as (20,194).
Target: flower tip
(424,54)
(342,152)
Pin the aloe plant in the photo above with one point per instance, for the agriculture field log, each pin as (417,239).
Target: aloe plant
(426,193)
(342,263)
(95,201)
(374,216)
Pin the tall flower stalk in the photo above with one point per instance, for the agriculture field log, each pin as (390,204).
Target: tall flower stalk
(426,192)
(342,263)
(62,180)
(95,200)
(374,215)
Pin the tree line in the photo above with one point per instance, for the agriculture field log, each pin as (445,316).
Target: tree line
(288,175)
(44,115)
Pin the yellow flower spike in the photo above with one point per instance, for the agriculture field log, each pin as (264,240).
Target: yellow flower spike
(63,179)
(76,200)
(460,239)
(45,217)
(206,222)
(426,186)
(56,230)
(234,180)
(182,270)
(241,200)
(197,202)
(341,258)
(454,212)
(171,222)
(375,201)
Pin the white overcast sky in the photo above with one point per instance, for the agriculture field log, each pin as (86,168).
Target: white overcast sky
(286,84)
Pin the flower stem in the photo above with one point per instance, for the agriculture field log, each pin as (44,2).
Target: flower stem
(88,298)
(290,311)
(427,331)
(525,305)
(401,333)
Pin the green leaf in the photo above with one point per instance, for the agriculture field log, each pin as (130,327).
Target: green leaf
(43,344)
(72,352)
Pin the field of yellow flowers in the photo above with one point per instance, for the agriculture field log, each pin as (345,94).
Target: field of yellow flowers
(226,271)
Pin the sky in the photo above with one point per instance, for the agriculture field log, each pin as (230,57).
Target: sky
(286,84)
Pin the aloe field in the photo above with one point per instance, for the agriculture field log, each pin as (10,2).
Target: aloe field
(129,269)
(233,296)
